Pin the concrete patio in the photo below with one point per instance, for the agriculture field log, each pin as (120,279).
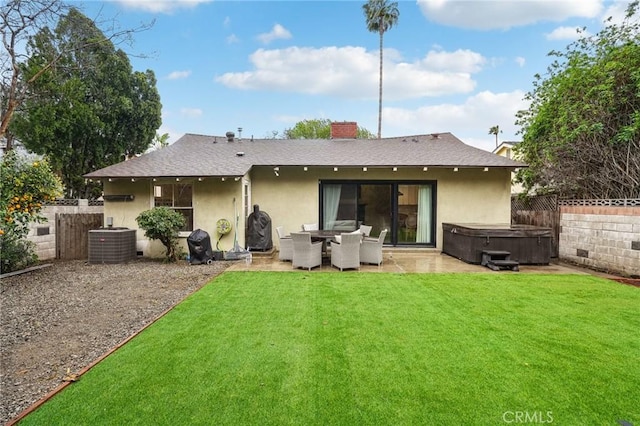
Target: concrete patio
(398,260)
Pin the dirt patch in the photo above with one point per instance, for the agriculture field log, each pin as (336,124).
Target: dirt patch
(63,317)
(629,281)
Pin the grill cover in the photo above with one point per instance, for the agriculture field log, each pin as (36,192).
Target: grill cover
(259,231)
(200,250)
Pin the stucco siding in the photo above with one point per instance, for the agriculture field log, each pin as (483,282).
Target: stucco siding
(212,200)
(292,198)
(473,196)
(466,196)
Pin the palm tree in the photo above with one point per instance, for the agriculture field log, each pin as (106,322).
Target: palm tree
(381,16)
(494,130)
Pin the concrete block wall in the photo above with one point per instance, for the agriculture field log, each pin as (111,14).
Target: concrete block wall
(601,237)
(44,234)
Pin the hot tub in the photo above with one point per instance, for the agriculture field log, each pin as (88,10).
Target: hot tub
(527,244)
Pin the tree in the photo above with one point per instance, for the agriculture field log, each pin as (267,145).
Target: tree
(160,141)
(19,21)
(162,223)
(91,109)
(381,16)
(581,134)
(25,186)
(494,130)
(318,129)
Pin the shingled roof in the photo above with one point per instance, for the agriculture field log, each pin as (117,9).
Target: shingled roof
(202,156)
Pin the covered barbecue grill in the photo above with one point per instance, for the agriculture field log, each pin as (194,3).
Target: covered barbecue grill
(200,250)
(258,234)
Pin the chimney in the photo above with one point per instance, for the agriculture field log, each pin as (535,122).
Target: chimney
(230,136)
(344,130)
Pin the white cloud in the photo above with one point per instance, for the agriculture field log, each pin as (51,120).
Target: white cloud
(232,39)
(459,61)
(227,22)
(161,6)
(177,75)
(470,121)
(353,73)
(278,32)
(190,112)
(616,11)
(493,14)
(520,61)
(565,33)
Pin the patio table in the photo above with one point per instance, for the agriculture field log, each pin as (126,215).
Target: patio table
(324,235)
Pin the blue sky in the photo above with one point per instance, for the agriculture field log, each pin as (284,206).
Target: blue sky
(450,66)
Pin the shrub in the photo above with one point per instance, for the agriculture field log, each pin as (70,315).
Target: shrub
(25,185)
(16,253)
(162,223)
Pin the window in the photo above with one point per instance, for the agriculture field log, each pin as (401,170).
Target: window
(178,197)
(246,193)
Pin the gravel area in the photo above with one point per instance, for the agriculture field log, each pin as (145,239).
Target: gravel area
(63,317)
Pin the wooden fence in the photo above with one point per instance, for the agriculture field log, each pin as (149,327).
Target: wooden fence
(72,234)
(539,211)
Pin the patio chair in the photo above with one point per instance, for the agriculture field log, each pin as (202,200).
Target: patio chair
(371,250)
(366,230)
(310,227)
(346,253)
(286,245)
(306,254)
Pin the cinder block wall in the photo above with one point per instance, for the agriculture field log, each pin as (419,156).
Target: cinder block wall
(601,237)
(44,234)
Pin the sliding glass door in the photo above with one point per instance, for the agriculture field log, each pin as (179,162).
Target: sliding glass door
(415,213)
(376,208)
(405,209)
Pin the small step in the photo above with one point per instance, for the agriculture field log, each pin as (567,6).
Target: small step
(489,255)
(497,265)
(497,253)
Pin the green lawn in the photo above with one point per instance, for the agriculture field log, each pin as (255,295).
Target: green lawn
(372,349)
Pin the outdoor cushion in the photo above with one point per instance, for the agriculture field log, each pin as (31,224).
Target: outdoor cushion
(338,238)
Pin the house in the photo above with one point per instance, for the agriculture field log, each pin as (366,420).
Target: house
(408,185)
(505,149)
